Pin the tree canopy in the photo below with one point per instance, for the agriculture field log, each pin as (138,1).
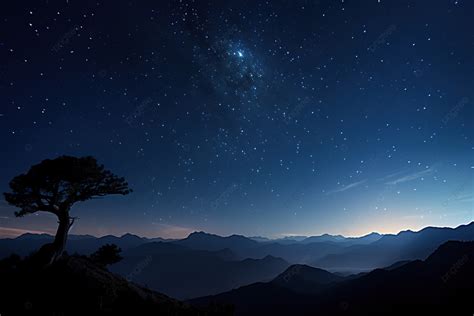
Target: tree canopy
(107,254)
(54,185)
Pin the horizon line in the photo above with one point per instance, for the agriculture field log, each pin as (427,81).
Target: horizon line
(39,232)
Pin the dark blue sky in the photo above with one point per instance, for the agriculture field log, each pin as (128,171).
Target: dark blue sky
(251,117)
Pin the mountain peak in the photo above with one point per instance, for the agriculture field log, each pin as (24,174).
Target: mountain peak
(301,275)
(34,236)
(200,234)
(130,235)
(372,234)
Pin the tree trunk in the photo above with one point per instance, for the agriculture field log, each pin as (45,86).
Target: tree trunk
(59,243)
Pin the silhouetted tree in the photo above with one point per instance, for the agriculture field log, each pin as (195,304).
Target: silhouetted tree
(55,185)
(107,254)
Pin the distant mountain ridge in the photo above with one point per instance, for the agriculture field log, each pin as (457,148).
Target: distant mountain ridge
(406,245)
(206,241)
(333,252)
(366,239)
(84,244)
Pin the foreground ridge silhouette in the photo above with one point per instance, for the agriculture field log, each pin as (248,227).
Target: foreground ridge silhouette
(76,285)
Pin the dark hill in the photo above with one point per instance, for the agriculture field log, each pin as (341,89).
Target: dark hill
(305,279)
(76,286)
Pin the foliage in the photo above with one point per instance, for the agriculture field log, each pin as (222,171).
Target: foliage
(107,254)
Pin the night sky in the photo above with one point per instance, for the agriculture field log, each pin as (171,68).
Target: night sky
(258,118)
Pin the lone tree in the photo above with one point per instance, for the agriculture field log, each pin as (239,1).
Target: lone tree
(55,185)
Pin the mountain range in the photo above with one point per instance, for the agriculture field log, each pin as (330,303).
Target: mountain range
(205,264)
(406,245)
(439,285)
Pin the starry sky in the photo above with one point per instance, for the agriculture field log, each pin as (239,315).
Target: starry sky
(262,118)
